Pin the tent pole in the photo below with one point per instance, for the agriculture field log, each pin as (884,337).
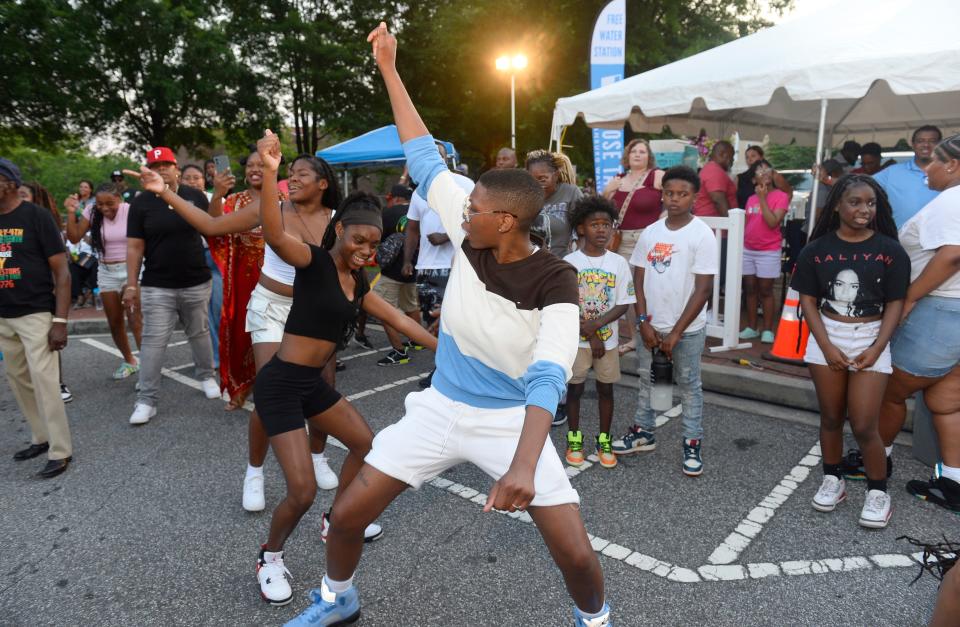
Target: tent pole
(346,180)
(816,184)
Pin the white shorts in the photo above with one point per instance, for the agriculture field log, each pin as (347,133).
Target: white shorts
(437,433)
(111,277)
(852,338)
(765,264)
(266,315)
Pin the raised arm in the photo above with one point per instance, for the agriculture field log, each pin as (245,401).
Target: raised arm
(423,160)
(77,226)
(223,182)
(287,247)
(236,222)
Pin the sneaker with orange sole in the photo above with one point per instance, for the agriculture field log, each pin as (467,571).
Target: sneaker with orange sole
(575,448)
(605,451)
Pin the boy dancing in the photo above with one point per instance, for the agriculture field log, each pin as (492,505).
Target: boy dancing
(508,337)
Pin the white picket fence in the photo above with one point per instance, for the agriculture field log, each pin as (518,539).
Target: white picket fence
(726,325)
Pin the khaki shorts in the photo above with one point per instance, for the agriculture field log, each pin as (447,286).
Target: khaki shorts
(607,368)
(403,296)
(628,241)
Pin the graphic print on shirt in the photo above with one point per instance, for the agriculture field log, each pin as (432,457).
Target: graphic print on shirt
(660,256)
(597,297)
(844,292)
(9,276)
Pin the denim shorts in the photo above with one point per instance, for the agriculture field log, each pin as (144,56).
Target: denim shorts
(852,338)
(927,344)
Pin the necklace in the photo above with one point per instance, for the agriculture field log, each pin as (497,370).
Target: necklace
(313,239)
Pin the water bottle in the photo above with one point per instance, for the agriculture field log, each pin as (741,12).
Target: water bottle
(97,301)
(661,378)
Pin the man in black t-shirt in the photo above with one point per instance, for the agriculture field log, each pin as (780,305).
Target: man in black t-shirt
(395,288)
(175,285)
(34,302)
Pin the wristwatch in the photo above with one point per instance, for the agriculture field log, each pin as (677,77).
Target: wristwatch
(643,318)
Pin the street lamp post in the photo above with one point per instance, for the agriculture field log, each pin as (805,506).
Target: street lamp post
(512,64)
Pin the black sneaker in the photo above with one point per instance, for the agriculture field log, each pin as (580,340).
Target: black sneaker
(339,366)
(426,381)
(560,417)
(65,393)
(852,466)
(394,358)
(410,345)
(363,341)
(939,491)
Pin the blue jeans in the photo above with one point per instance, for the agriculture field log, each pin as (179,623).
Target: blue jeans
(216,304)
(686,375)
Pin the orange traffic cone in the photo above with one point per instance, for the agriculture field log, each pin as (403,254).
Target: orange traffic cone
(792,333)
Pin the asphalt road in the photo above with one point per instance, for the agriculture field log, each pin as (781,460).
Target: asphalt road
(146,527)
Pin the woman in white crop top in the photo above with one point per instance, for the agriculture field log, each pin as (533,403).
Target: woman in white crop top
(314,193)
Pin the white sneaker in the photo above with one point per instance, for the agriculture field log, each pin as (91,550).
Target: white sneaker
(372,533)
(211,389)
(142,414)
(253,500)
(326,478)
(876,510)
(274,578)
(832,492)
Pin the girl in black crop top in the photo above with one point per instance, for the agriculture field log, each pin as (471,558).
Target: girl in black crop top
(852,278)
(329,290)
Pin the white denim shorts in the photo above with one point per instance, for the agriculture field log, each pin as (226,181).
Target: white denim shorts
(266,315)
(111,277)
(437,433)
(852,338)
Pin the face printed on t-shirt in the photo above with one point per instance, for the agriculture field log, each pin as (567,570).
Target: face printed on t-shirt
(844,290)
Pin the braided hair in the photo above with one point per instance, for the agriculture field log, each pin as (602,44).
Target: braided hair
(948,149)
(332,196)
(96,218)
(829,219)
(556,161)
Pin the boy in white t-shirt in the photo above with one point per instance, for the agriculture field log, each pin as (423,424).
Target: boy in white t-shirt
(606,290)
(675,261)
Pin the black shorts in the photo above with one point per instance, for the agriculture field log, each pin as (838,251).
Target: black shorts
(286,394)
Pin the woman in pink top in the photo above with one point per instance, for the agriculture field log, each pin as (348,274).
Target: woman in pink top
(762,243)
(107,222)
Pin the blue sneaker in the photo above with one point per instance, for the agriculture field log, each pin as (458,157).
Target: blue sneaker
(328,609)
(692,463)
(603,620)
(634,441)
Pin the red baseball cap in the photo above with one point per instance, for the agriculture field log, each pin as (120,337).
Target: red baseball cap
(161,154)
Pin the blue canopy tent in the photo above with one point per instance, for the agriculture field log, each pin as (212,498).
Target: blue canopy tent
(379,147)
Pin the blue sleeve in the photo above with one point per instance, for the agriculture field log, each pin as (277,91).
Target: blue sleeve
(423,162)
(545,383)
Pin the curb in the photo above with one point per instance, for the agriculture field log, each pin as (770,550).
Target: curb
(87,327)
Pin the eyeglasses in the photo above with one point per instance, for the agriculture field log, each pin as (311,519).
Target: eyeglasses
(469,212)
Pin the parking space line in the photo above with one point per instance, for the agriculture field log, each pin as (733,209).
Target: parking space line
(752,524)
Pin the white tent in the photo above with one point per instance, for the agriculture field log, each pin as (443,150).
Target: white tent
(867,69)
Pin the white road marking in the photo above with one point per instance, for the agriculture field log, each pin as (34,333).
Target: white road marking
(730,549)
(747,529)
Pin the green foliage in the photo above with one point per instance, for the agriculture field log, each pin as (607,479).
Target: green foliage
(448,48)
(61,170)
(206,73)
(791,156)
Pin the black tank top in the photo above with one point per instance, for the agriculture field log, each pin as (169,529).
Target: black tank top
(320,309)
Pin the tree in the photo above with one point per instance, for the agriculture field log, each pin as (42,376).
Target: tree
(447,60)
(318,51)
(44,73)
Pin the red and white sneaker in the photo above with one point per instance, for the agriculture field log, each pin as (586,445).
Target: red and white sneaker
(274,578)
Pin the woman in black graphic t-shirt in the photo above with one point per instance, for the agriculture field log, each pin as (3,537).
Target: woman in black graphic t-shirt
(852,278)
